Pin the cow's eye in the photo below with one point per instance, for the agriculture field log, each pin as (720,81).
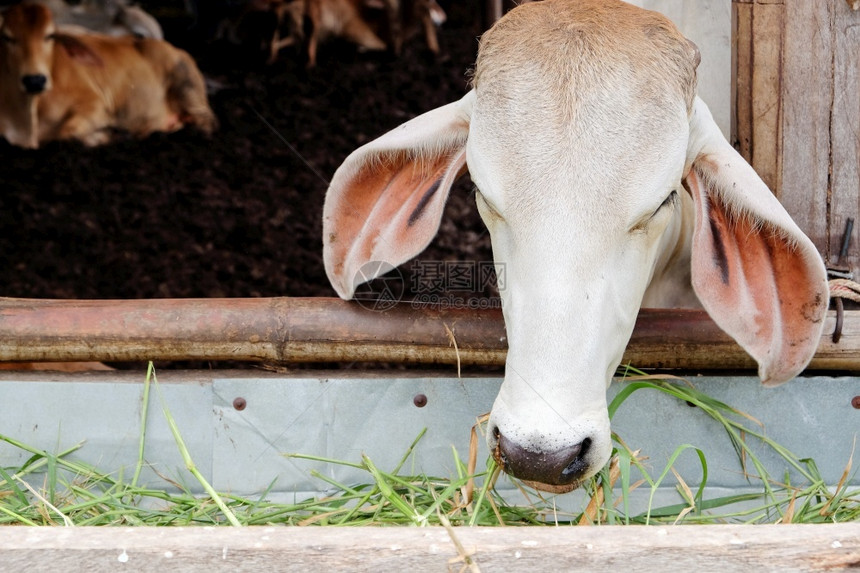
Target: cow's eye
(667,206)
(485,206)
(667,202)
(6,38)
(50,37)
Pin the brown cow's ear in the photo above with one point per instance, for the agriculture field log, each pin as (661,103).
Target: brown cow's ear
(755,272)
(385,202)
(78,50)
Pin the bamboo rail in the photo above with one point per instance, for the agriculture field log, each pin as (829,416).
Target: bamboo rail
(304,330)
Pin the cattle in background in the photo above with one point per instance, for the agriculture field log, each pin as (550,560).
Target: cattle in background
(110,17)
(342,19)
(408,17)
(372,25)
(306,23)
(61,86)
(605,185)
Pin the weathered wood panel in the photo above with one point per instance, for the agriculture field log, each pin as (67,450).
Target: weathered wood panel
(798,110)
(742,86)
(807,103)
(845,133)
(766,107)
(759,38)
(637,548)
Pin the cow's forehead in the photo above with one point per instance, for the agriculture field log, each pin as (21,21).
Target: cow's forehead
(28,17)
(600,99)
(525,158)
(573,48)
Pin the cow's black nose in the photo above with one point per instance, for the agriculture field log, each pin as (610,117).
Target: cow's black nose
(563,467)
(34,83)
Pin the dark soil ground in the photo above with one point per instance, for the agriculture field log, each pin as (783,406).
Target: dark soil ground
(236,214)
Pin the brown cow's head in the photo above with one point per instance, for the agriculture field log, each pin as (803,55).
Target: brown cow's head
(27,37)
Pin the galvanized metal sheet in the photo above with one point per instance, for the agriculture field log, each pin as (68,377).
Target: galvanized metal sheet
(102,411)
(340,419)
(241,450)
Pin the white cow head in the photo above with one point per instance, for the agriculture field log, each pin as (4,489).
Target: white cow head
(604,182)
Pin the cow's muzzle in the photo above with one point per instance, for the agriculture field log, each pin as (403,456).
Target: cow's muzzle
(558,471)
(34,83)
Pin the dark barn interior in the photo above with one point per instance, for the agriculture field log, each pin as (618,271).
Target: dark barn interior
(236,214)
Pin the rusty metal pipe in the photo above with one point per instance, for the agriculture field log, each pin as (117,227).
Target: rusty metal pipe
(296,330)
(277,330)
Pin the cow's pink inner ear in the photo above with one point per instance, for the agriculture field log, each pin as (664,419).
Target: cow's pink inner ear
(388,210)
(756,284)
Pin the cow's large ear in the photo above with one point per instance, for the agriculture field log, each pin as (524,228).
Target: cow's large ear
(755,272)
(78,50)
(386,200)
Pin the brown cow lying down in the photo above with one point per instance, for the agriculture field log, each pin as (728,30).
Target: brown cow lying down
(61,86)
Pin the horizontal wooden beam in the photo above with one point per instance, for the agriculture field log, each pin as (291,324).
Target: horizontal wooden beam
(296,330)
(831,547)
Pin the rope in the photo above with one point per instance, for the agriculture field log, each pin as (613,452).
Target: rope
(845,288)
(842,289)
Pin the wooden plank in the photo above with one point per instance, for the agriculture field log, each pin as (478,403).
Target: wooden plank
(807,102)
(637,548)
(291,330)
(742,96)
(766,93)
(757,29)
(845,134)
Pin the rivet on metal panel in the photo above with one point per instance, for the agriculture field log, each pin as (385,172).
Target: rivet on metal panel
(855,402)
(240,403)
(420,400)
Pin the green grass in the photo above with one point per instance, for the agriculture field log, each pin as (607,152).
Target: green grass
(72,492)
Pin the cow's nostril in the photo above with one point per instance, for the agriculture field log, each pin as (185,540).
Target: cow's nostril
(577,465)
(34,83)
(498,452)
